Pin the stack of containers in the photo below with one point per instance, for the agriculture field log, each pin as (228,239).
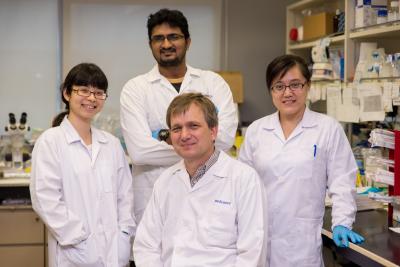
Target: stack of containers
(366,12)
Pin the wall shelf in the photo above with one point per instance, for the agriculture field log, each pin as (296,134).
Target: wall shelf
(377,31)
(306,45)
(300,5)
(387,35)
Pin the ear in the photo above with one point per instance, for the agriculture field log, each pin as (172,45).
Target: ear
(214,132)
(188,42)
(66,95)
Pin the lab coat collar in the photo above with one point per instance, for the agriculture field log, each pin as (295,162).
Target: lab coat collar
(308,120)
(98,138)
(217,171)
(155,75)
(73,136)
(70,132)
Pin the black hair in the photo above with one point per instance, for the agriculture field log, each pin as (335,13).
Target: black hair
(174,18)
(282,64)
(84,74)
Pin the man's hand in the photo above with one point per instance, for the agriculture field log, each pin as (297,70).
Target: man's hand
(162,135)
(342,235)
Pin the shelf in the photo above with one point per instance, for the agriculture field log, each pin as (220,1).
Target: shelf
(377,31)
(305,45)
(380,78)
(300,5)
(14,182)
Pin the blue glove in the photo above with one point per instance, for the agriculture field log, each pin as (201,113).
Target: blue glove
(342,235)
(154,134)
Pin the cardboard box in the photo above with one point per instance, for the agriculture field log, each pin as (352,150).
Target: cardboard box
(235,81)
(317,26)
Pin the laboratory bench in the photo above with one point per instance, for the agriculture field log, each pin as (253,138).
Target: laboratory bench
(381,246)
(22,233)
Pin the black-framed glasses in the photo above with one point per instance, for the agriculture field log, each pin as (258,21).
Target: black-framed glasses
(101,95)
(172,37)
(293,86)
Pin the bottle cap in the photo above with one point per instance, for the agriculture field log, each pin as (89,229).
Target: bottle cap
(382,13)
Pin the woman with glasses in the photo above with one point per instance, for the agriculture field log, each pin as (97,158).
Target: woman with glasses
(299,154)
(81,185)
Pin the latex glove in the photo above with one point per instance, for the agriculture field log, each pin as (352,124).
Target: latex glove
(342,235)
(154,134)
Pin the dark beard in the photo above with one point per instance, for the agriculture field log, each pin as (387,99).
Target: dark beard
(170,63)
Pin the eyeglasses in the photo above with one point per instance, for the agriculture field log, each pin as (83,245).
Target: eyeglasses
(86,92)
(294,86)
(173,37)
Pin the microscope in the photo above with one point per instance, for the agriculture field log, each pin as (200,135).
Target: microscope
(14,142)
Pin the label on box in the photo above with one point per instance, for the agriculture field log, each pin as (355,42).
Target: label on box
(396,213)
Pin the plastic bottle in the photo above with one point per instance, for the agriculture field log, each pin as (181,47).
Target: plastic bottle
(382,16)
(393,11)
(336,21)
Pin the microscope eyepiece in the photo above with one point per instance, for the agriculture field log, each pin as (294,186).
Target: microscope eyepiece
(23,118)
(12,119)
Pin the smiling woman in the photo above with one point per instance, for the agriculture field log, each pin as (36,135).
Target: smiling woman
(77,174)
(301,155)
(83,81)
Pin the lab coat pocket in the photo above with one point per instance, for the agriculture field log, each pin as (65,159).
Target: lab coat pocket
(124,249)
(107,175)
(311,162)
(307,242)
(84,254)
(222,229)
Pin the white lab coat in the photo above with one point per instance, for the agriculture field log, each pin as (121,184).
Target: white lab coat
(144,103)
(85,202)
(219,222)
(296,182)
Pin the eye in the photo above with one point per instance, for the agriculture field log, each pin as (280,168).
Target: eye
(84,91)
(296,85)
(194,126)
(99,93)
(279,87)
(176,129)
(173,37)
(157,38)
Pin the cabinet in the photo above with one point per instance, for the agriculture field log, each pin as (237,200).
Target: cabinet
(395,189)
(386,35)
(22,233)
(22,237)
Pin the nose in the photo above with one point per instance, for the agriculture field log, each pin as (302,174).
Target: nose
(185,134)
(166,43)
(287,91)
(91,97)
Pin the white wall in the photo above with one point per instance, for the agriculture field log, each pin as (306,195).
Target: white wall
(256,35)
(113,35)
(29,60)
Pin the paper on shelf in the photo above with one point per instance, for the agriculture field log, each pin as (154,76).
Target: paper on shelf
(348,111)
(387,97)
(333,99)
(371,102)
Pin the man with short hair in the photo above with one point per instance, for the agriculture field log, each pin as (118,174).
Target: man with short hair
(207,209)
(145,99)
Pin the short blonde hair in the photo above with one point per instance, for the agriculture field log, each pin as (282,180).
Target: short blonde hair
(182,102)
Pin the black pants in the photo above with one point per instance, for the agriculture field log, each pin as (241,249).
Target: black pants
(132,264)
